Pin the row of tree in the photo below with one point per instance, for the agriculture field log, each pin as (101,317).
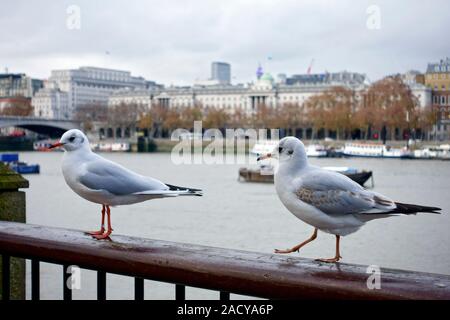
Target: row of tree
(18,106)
(387,105)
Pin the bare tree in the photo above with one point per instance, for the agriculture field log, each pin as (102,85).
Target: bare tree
(124,115)
(90,113)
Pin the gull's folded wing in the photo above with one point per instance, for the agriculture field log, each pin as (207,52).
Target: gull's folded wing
(102,174)
(334,193)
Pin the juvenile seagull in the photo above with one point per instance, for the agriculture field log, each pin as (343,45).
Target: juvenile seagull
(329,201)
(99,180)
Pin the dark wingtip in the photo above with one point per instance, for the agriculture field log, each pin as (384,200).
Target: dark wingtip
(407,208)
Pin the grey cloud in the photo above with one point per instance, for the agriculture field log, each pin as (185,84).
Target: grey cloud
(174,41)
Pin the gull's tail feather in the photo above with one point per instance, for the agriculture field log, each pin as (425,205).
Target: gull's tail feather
(185,191)
(406,208)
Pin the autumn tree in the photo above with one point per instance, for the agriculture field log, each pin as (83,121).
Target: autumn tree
(239,119)
(392,105)
(189,115)
(124,115)
(17,106)
(89,113)
(216,118)
(427,117)
(291,116)
(172,120)
(264,117)
(153,119)
(332,110)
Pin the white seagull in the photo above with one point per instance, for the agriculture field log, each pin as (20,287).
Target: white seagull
(328,201)
(99,180)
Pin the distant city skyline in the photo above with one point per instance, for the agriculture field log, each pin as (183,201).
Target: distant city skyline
(174,42)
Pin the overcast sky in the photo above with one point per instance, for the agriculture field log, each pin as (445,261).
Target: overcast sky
(174,42)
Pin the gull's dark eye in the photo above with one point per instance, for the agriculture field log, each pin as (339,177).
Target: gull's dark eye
(280,149)
(290,151)
(71,139)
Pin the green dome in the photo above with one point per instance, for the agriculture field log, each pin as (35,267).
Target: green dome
(267,77)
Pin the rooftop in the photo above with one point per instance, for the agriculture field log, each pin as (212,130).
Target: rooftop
(439,67)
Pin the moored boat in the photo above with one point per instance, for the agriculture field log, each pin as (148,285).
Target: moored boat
(43,145)
(441,152)
(12,160)
(267,146)
(110,146)
(265,173)
(316,151)
(373,150)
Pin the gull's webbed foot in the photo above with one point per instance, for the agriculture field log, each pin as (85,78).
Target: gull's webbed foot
(330,260)
(95,233)
(104,236)
(285,251)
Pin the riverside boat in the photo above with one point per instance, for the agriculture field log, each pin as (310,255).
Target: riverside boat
(265,173)
(267,146)
(43,145)
(372,150)
(110,147)
(441,152)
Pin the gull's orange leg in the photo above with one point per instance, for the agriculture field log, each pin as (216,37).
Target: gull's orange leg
(102,228)
(337,256)
(297,247)
(109,230)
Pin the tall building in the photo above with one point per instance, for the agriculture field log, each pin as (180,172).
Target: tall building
(87,85)
(415,81)
(221,72)
(438,75)
(51,104)
(437,78)
(18,84)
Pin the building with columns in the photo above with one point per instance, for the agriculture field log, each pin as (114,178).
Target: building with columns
(264,91)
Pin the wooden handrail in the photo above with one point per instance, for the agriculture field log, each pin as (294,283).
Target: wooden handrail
(257,274)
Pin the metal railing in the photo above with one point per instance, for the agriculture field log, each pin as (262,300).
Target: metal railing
(224,270)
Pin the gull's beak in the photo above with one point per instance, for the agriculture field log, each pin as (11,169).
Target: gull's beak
(264,156)
(56,145)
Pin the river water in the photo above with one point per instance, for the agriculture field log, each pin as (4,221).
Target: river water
(244,216)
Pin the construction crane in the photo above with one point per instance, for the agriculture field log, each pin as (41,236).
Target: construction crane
(310,67)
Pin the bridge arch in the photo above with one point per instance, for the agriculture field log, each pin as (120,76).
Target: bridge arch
(52,128)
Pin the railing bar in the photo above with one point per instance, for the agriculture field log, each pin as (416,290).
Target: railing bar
(67,292)
(35,280)
(101,285)
(6,277)
(224,296)
(138,288)
(180,292)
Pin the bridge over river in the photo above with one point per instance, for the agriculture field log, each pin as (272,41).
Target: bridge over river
(51,127)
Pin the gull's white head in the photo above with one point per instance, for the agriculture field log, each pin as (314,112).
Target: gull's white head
(72,140)
(289,150)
